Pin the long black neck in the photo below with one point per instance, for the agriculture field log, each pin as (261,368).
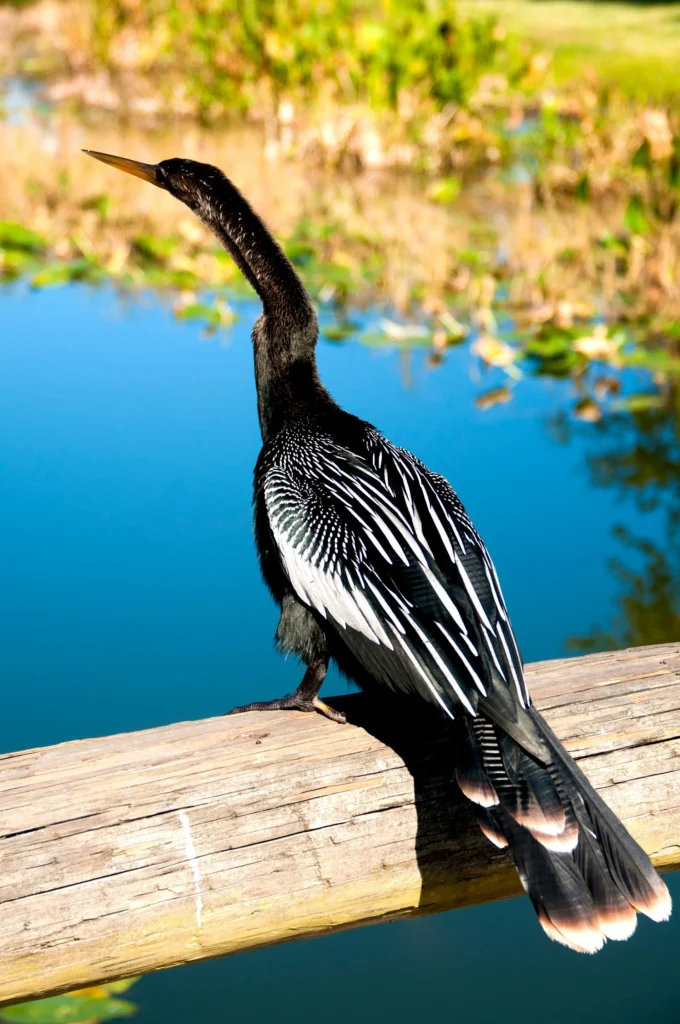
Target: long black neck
(285,336)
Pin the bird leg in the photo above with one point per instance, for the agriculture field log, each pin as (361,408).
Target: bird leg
(305,698)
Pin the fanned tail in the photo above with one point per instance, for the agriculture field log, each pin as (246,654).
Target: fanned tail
(585,875)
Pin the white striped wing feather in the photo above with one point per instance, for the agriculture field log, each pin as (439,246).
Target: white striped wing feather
(383,550)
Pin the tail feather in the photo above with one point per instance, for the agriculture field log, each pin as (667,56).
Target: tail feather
(488,823)
(626,861)
(585,875)
(564,906)
(617,918)
(525,790)
(629,866)
(471,774)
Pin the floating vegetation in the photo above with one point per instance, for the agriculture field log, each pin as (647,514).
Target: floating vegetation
(538,220)
(85,1006)
(443,275)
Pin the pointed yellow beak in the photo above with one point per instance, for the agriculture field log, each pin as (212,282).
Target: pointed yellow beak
(147,172)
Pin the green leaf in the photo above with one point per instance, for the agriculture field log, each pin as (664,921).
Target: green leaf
(62,273)
(445,190)
(634,217)
(153,249)
(473,258)
(652,359)
(68,1009)
(642,158)
(159,277)
(210,315)
(14,263)
(615,243)
(559,367)
(340,331)
(300,253)
(674,170)
(582,190)
(51,275)
(100,203)
(552,346)
(16,236)
(671,330)
(638,403)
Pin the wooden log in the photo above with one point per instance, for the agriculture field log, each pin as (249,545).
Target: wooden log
(132,853)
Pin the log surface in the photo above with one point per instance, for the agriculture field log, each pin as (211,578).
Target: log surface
(131,853)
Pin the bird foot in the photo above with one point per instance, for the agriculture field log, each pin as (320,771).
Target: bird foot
(293,702)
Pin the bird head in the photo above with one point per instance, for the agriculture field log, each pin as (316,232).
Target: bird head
(209,193)
(187,180)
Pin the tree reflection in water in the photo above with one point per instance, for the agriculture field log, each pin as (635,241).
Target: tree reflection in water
(639,455)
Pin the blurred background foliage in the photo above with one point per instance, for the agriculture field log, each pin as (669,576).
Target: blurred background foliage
(464,165)
(238,55)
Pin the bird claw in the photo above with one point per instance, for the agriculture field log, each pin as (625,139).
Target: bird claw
(329,712)
(293,702)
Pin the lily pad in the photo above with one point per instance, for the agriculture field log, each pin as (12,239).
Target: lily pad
(340,331)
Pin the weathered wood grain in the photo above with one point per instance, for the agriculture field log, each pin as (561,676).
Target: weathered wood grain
(136,852)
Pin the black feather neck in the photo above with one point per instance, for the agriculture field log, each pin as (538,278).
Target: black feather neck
(285,336)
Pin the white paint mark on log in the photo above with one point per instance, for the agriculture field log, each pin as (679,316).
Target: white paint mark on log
(193,862)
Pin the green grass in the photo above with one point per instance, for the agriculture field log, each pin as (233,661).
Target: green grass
(633,45)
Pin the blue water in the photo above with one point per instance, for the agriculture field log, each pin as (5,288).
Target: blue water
(131,597)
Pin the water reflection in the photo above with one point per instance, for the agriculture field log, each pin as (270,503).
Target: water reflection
(637,456)
(131,598)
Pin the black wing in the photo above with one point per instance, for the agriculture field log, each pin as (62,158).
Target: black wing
(384,550)
(458,550)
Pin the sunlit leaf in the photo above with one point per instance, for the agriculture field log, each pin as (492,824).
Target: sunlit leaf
(634,217)
(615,243)
(112,988)
(200,311)
(454,330)
(493,351)
(656,360)
(599,345)
(445,190)
(14,262)
(161,277)
(473,258)
(218,315)
(73,1008)
(638,403)
(16,236)
(404,332)
(62,273)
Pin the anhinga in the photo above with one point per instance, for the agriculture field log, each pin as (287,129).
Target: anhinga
(375,563)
